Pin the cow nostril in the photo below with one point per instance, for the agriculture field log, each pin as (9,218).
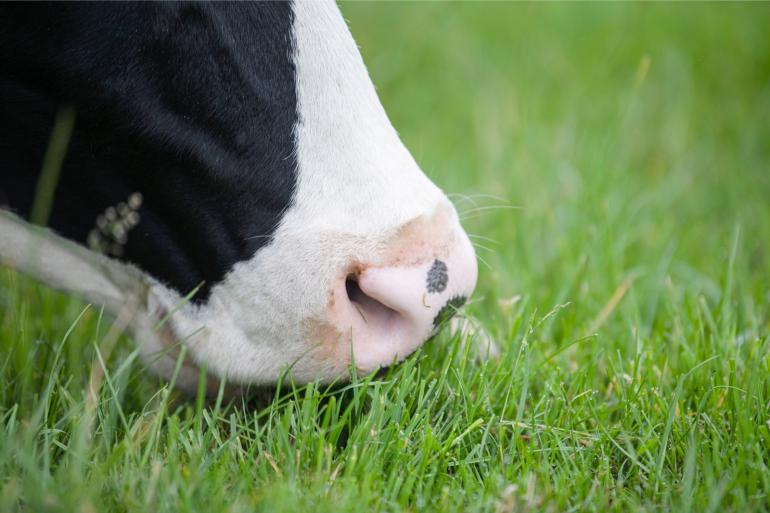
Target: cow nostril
(370,310)
(352,288)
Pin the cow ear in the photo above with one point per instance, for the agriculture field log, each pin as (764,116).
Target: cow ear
(62,264)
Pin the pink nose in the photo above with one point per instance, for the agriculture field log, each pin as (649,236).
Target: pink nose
(390,308)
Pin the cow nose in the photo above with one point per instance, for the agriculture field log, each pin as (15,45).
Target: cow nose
(393,306)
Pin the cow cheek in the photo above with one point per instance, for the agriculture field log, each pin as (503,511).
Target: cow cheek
(328,348)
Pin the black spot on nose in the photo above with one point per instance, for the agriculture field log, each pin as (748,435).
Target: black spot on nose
(438,277)
(448,310)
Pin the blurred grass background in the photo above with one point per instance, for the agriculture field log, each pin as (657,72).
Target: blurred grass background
(633,139)
(617,157)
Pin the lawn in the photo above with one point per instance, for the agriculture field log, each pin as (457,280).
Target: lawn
(613,165)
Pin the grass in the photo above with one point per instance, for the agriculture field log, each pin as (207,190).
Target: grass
(628,290)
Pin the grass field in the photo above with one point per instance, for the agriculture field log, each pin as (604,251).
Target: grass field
(614,167)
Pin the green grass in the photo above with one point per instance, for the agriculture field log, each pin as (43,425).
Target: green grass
(629,292)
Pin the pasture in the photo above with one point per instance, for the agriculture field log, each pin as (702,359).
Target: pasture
(613,165)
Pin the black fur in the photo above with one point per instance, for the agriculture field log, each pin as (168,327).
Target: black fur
(191,104)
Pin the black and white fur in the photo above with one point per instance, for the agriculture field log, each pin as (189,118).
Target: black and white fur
(265,162)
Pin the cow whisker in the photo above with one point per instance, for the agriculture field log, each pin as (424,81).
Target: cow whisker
(481,259)
(465,198)
(361,313)
(485,248)
(488,239)
(471,197)
(470,213)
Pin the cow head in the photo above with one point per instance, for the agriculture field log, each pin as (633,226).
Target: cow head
(272,176)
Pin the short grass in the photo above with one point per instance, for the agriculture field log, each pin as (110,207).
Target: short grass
(628,288)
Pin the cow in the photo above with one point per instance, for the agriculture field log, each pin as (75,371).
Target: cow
(231,187)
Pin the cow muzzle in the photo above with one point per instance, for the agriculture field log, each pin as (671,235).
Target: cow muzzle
(384,307)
